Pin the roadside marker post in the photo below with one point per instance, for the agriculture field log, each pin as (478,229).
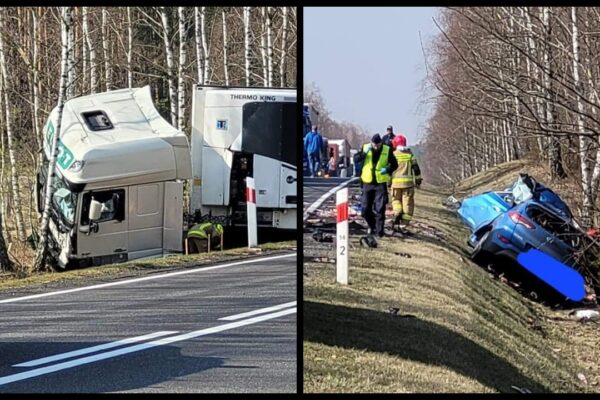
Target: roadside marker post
(251,212)
(342,240)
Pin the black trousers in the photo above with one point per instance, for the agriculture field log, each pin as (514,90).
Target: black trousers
(374,200)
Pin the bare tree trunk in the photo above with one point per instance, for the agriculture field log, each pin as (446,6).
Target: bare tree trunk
(84,52)
(181,71)
(199,49)
(586,184)
(105,31)
(35,82)
(282,71)
(225,69)
(71,65)
(40,260)
(129,49)
(170,67)
(263,50)
(205,46)
(247,44)
(16,191)
(555,158)
(90,45)
(269,48)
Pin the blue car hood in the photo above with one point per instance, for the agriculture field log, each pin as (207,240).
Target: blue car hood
(477,211)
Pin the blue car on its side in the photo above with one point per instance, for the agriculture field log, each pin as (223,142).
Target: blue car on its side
(501,228)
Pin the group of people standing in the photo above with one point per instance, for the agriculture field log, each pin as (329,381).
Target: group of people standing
(389,169)
(313,146)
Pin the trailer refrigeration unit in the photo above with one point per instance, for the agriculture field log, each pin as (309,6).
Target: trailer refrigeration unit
(241,132)
(119,180)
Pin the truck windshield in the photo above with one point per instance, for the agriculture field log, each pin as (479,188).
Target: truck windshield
(64,201)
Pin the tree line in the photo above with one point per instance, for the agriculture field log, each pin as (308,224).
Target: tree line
(108,48)
(328,126)
(506,83)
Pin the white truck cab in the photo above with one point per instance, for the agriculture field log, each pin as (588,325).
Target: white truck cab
(123,165)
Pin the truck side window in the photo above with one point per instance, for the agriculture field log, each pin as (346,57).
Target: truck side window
(113,205)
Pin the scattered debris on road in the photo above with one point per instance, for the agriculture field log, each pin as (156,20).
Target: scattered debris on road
(584,316)
(521,390)
(368,241)
(324,260)
(321,237)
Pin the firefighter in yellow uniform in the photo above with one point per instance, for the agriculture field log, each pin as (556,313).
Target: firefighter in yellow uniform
(404,180)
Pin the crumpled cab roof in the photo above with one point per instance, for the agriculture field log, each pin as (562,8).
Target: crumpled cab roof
(137,145)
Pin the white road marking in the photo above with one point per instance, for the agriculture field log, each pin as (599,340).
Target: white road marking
(147,278)
(259,311)
(161,342)
(321,199)
(93,349)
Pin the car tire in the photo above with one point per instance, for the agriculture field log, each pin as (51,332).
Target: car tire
(476,251)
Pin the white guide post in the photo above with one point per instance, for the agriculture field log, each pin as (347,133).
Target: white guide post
(341,201)
(251,212)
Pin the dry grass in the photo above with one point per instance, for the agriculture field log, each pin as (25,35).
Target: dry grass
(13,281)
(458,329)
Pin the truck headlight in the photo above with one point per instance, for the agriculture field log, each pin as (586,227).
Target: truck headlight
(77,165)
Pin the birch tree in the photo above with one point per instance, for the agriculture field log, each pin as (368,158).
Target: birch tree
(181,71)
(225,69)
(42,252)
(129,49)
(282,71)
(263,48)
(170,63)
(247,44)
(269,48)
(16,191)
(205,46)
(92,52)
(199,48)
(105,34)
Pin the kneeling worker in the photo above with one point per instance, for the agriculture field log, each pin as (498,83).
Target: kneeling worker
(404,180)
(378,162)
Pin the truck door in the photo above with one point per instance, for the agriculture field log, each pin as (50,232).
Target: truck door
(108,235)
(146,220)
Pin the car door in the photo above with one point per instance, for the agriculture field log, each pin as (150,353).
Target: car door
(110,237)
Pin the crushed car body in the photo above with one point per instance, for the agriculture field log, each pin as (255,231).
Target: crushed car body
(526,216)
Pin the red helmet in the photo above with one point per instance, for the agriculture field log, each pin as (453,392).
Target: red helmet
(399,140)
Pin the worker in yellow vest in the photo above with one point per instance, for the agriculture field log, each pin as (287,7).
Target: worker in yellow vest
(378,162)
(404,180)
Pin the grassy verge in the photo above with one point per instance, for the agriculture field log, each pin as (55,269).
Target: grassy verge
(192,260)
(457,328)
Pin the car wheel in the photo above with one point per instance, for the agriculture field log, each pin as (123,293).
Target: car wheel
(475,251)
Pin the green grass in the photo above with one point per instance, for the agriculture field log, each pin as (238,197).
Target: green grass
(192,260)
(464,331)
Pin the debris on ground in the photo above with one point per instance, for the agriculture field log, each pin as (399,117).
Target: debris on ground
(321,237)
(521,390)
(368,241)
(584,316)
(582,378)
(405,255)
(326,260)
(395,310)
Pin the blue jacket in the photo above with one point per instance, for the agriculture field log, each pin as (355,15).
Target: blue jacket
(313,143)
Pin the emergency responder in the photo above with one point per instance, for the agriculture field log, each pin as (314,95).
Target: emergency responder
(388,138)
(199,234)
(404,180)
(378,162)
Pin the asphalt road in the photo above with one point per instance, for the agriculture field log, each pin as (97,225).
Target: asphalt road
(316,188)
(177,338)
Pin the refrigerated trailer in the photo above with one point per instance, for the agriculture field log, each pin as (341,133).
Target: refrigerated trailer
(118,184)
(238,133)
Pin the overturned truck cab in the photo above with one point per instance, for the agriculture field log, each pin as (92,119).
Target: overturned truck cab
(118,191)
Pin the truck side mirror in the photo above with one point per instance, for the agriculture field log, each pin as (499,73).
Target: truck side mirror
(95,210)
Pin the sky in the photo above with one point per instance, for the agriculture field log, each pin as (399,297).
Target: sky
(369,64)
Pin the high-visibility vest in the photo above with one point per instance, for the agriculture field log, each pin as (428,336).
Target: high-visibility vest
(403,176)
(367,168)
(201,231)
